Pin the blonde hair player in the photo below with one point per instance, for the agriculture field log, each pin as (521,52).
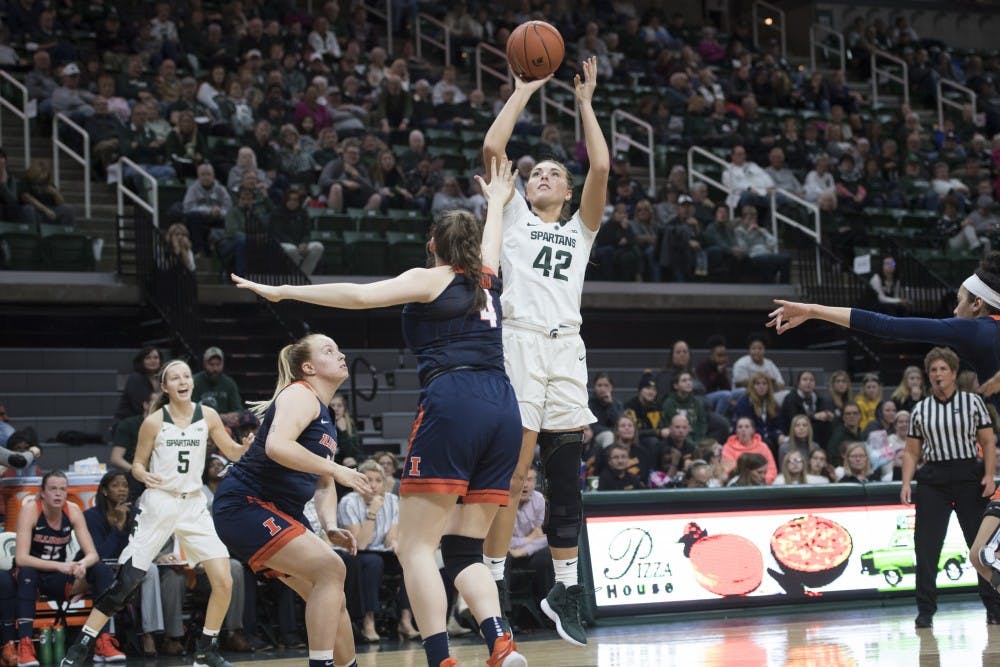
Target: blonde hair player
(169,460)
(544,262)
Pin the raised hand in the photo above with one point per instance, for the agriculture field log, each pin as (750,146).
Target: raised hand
(788,315)
(585,87)
(530,86)
(501,184)
(269,292)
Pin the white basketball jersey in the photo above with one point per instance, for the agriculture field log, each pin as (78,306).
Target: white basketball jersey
(179,455)
(543,267)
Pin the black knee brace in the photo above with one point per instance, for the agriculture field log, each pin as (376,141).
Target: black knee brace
(111,601)
(459,552)
(561,456)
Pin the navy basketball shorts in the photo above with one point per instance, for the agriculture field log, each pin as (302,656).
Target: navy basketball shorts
(253,529)
(465,439)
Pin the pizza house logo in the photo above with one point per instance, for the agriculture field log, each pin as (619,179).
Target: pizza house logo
(629,555)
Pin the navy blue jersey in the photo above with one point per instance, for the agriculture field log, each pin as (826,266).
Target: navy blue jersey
(288,489)
(446,333)
(50,543)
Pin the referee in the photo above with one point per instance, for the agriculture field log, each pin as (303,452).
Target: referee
(947,429)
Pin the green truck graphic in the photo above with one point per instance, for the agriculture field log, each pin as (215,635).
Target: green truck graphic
(899,558)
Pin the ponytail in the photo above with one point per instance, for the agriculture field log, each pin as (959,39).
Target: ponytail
(458,238)
(290,361)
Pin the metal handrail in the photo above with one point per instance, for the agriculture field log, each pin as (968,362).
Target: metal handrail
(547,101)
(694,174)
(83,160)
(24,113)
(756,24)
(122,191)
(903,80)
(504,76)
(647,147)
(815,41)
(421,38)
(385,15)
(815,233)
(942,101)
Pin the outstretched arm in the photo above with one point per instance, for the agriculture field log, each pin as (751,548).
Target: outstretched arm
(495,142)
(420,285)
(790,314)
(497,193)
(595,187)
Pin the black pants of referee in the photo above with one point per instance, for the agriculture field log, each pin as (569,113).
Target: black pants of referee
(941,487)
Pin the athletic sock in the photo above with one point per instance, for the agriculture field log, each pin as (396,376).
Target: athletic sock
(321,658)
(87,635)
(436,648)
(492,629)
(496,566)
(6,632)
(25,627)
(565,571)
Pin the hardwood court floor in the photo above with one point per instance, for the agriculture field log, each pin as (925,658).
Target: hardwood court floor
(873,636)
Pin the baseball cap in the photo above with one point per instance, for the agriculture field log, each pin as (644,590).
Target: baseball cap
(213,352)
(685,199)
(646,380)
(70,70)
(251,53)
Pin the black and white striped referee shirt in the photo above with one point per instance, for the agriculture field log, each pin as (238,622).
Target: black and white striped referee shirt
(947,429)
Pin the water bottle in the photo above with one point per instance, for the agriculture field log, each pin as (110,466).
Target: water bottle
(58,644)
(701,263)
(45,648)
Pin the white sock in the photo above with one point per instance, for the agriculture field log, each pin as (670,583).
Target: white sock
(210,633)
(321,655)
(496,566)
(89,631)
(565,571)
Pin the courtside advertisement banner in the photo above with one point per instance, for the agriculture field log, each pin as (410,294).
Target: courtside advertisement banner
(724,559)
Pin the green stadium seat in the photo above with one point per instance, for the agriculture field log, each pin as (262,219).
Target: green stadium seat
(333,250)
(67,251)
(20,247)
(407,250)
(323,219)
(366,253)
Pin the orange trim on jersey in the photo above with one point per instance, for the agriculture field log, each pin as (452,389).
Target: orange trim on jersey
(492,496)
(447,487)
(414,429)
(258,561)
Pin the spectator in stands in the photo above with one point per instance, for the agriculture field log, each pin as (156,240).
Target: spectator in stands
(141,145)
(323,41)
(390,467)
(155,121)
(616,247)
(373,519)
(20,448)
(10,192)
(529,548)
(893,470)
(212,387)
(295,163)
(959,233)
(793,469)
(762,248)
(782,176)
(140,384)
(69,98)
(760,405)
(347,181)
(348,441)
(667,473)
(179,243)
(394,107)
(911,389)
(678,440)
(235,109)
(819,180)
(105,131)
(852,196)
(885,417)
(109,522)
(604,405)
(857,466)
(869,398)
(755,362)
(818,471)
(887,290)
(186,146)
(40,83)
(290,226)
(616,476)
(724,253)
(847,430)
(390,183)
(840,391)
(805,400)
(449,197)
(41,202)
(206,203)
(752,470)
(800,438)
(246,162)
(715,376)
(984,219)
(683,401)
(163,31)
(747,183)
(45,567)
(647,231)
(231,246)
(747,441)
(627,435)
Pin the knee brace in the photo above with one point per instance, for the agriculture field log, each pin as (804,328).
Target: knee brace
(459,552)
(111,601)
(561,454)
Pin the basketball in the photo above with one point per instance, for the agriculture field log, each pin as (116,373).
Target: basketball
(534,50)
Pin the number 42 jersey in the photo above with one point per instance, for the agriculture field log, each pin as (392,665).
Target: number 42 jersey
(543,265)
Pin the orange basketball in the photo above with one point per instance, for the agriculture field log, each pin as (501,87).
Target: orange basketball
(535,49)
